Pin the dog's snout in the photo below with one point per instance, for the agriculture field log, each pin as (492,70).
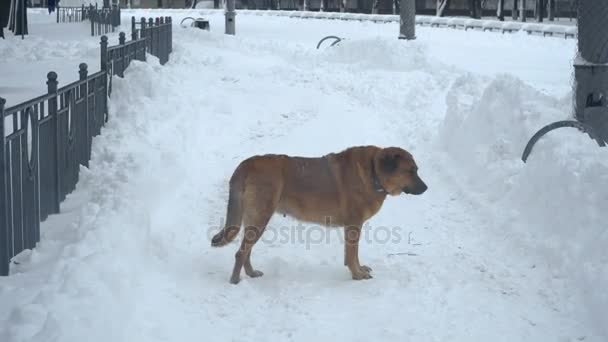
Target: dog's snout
(423,188)
(419,189)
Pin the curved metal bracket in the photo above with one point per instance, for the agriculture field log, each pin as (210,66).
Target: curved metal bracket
(337,40)
(180,24)
(559,124)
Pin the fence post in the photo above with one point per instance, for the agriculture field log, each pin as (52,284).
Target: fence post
(133,29)
(104,53)
(4,250)
(84,91)
(161,40)
(144,34)
(121,41)
(151,36)
(157,38)
(51,84)
(170,21)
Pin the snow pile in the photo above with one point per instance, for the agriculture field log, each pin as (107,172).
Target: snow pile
(205,5)
(554,205)
(369,54)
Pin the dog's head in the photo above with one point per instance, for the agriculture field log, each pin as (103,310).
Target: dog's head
(397,172)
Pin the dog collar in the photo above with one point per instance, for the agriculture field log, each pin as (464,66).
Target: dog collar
(375,182)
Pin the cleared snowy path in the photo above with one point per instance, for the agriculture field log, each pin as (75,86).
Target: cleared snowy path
(134,263)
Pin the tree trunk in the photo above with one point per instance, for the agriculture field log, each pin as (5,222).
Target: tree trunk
(540,6)
(442,5)
(514,10)
(11,16)
(523,10)
(551,10)
(475,9)
(500,10)
(20,18)
(5,7)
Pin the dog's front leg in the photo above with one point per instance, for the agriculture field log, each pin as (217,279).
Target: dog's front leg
(352,234)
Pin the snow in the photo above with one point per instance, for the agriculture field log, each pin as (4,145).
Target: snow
(561,27)
(494,250)
(51,46)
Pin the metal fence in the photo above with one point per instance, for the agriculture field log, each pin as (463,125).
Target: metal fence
(104,20)
(44,140)
(158,33)
(73,14)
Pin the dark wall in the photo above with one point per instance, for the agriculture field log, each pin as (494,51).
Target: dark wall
(5,6)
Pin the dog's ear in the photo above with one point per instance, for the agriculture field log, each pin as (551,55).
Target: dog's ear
(389,161)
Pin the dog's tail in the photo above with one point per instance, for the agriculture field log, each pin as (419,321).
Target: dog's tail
(234,215)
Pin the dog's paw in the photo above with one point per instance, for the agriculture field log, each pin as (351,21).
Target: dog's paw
(366,268)
(255,274)
(235,280)
(361,275)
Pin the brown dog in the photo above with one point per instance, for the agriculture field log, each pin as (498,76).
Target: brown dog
(346,188)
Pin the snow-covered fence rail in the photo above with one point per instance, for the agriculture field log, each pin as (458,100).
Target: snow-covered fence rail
(432,21)
(104,20)
(73,14)
(43,141)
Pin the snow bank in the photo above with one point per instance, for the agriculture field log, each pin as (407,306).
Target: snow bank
(555,205)
(565,31)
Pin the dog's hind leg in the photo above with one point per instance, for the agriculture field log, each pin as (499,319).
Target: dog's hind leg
(260,208)
(253,231)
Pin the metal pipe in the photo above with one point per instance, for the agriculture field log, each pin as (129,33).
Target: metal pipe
(230,17)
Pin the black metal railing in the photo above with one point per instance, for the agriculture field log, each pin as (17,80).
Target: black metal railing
(73,14)
(159,33)
(104,20)
(43,141)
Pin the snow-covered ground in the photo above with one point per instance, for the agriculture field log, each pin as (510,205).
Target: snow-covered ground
(495,251)
(50,46)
